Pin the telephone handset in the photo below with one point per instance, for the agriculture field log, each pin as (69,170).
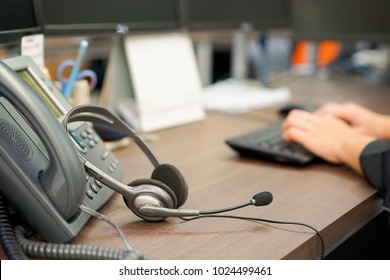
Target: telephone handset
(42,175)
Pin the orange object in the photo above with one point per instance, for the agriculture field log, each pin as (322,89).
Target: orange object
(301,53)
(327,53)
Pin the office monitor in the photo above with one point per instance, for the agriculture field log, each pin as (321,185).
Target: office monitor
(73,17)
(230,14)
(346,20)
(18,19)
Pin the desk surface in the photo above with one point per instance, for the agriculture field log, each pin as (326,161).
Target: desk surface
(333,199)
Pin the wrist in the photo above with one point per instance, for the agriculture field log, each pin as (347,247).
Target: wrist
(385,128)
(351,149)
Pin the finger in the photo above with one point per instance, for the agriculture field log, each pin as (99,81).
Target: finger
(346,112)
(295,134)
(328,108)
(298,118)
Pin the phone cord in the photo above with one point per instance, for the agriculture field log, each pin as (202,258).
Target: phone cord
(7,234)
(45,250)
(18,247)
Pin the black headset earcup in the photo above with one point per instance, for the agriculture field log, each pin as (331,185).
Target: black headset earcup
(157,183)
(172,177)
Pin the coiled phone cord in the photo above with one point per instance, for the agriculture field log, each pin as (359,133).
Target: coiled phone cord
(7,235)
(17,246)
(57,251)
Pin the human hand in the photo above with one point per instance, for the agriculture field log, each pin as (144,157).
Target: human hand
(326,136)
(359,118)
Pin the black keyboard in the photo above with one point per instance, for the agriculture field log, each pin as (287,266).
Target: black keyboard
(267,143)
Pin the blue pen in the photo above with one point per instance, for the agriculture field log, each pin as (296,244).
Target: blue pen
(76,69)
(263,71)
(264,59)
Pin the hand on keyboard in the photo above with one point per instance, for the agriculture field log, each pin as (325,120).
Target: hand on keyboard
(267,143)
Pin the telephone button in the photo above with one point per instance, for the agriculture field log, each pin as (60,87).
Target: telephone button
(89,130)
(98,183)
(93,187)
(111,169)
(90,194)
(78,140)
(104,155)
(91,144)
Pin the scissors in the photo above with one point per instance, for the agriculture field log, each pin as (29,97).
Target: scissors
(84,74)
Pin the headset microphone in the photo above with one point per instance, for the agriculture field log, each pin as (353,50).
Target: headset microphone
(262,198)
(259,199)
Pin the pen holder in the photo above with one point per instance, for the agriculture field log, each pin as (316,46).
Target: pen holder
(81,93)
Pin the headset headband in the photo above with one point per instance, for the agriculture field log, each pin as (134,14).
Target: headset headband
(101,115)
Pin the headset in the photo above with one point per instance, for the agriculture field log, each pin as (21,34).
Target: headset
(151,199)
(166,189)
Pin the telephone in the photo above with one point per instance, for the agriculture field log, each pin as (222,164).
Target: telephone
(43,178)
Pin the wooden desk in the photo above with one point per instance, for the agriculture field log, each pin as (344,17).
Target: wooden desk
(333,199)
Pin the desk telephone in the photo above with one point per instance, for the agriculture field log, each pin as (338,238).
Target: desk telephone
(43,178)
(56,175)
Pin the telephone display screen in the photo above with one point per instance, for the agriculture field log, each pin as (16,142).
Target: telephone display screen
(39,91)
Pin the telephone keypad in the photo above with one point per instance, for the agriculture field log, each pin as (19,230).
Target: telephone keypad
(95,151)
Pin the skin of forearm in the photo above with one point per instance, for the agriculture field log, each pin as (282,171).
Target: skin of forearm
(351,149)
(384,127)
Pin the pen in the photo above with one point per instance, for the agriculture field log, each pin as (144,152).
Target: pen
(263,63)
(76,68)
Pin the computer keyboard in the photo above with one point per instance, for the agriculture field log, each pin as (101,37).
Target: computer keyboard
(267,143)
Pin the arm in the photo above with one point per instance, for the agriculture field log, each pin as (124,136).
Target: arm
(335,141)
(375,161)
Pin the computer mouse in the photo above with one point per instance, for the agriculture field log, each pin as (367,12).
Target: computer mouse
(285,110)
